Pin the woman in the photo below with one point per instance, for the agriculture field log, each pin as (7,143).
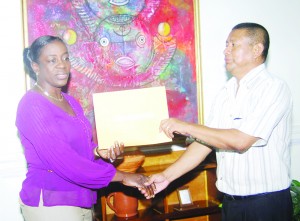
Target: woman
(64,165)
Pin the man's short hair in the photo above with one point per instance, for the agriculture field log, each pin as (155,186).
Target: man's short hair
(257,33)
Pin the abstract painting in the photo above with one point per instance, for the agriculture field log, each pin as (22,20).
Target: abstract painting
(124,44)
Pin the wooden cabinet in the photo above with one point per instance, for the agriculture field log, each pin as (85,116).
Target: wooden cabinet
(165,205)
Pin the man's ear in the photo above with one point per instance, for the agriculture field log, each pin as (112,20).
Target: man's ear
(35,67)
(258,50)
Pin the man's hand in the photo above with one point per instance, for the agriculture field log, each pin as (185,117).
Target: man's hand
(158,182)
(172,125)
(139,181)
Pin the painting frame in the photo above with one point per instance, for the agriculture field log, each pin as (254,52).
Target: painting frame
(197,54)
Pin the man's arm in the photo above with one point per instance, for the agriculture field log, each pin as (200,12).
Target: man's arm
(191,158)
(228,139)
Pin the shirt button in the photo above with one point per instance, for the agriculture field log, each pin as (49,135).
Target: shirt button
(50,171)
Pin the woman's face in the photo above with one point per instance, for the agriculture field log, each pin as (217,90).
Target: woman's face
(54,66)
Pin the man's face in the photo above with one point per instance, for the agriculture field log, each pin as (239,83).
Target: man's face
(239,53)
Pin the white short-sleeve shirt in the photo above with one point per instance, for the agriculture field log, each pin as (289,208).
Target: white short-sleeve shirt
(261,107)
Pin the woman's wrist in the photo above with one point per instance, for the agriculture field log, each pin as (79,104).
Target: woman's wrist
(96,152)
(119,176)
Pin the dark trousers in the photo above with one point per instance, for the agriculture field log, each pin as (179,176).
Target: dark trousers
(274,206)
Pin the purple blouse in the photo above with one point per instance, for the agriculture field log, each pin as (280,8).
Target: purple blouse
(59,152)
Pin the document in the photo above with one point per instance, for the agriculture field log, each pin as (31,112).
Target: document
(130,116)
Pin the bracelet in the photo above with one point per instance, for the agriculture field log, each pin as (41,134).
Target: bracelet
(191,139)
(96,152)
(98,155)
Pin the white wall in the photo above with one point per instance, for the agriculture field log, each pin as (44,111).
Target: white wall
(12,163)
(280,17)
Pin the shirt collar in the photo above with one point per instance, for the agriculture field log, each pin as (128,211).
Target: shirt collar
(249,79)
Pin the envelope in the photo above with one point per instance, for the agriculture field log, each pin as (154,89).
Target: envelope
(130,116)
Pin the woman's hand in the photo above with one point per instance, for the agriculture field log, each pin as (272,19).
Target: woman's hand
(158,182)
(139,181)
(111,153)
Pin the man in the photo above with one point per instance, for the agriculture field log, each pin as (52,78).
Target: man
(249,127)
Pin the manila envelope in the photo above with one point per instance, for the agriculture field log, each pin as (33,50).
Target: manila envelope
(130,116)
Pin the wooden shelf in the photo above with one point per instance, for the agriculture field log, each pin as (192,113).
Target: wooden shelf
(201,183)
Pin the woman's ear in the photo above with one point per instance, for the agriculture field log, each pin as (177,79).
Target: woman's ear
(35,67)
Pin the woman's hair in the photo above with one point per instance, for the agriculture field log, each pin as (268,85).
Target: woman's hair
(32,53)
